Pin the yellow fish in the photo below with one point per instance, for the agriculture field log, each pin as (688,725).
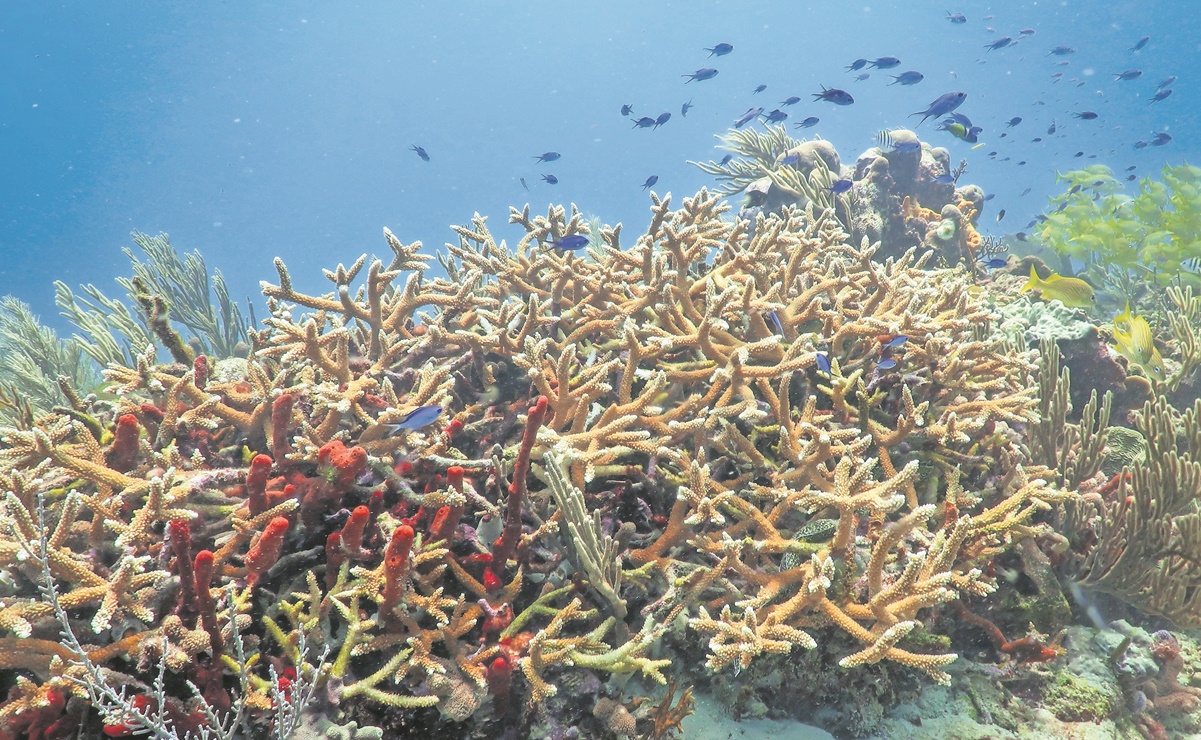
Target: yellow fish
(1068,291)
(1136,343)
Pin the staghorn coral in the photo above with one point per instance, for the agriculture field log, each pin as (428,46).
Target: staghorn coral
(629,440)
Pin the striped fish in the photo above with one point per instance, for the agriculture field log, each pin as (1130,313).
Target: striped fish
(1192,264)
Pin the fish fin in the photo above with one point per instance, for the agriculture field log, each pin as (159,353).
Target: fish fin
(1033,283)
(1124,317)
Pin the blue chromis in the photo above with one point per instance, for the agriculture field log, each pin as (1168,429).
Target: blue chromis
(1068,291)
(571,241)
(823,363)
(1135,342)
(419,417)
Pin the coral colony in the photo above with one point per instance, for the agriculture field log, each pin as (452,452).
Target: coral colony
(560,487)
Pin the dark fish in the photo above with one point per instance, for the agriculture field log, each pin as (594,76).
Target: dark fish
(1131,178)
(792,100)
(942,105)
(863,77)
(1140,144)
(886,364)
(625,109)
(704,73)
(956,18)
(1022,236)
(1062,51)
(856,65)
(662,119)
(1013,121)
(759,89)
(1037,139)
(1132,168)
(907,78)
(1086,115)
(1165,82)
(1140,43)
(1161,138)
(791,159)
(945,179)
(994,263)
(1078,154)
(1024,193)
(550,179)
(750,115)
(776,116)
(522,179)
(1130,74)
(571,241)
(834,95)
(1000,43)
(960,118)
(650,182)
(1051,128)
(685,108)
(823,362)
(416,419)
(808,122)
(1162,94)
(841,186)
(420,152)
(884,63)
(720,50)
(726,159)
(895,342)
(907,146)
(775,321)
(1026,32)
(1000,215)
(644,122)
(547,156)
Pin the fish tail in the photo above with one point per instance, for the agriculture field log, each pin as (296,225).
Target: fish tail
(1034,282)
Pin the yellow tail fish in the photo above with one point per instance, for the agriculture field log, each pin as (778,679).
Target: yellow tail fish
(1068,291)
(1135,342)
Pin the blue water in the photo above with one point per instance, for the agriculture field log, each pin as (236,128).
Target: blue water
(251,130)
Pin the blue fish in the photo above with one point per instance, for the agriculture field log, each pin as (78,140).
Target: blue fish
(942,105)
(1051,128)
(420,152)
(1000,43)
(907,146)
(1161,95)
(662,119)
(886,364)
(685,108)
(1130,74)
(726,160)
(745,118)
(1061,51)
(626,109)
(550,179)
(547,156)
(1013,121)
(1165,82)
(841,186)
(945,179)
(791,100)
(720,50)
(416,419)
(907,78)
(956,18)
(527,187)
(644,122)
(884,63)
(776,116)
(775,321)
(790,159)
(809,122)
(759,89)
(1140,43)
(856,65)
(823,363)
(704,73)
(571,241)
(895,342)
(650,181)
(834,95)
(995,262)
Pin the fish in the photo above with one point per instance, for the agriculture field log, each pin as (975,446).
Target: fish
(1000,43)
(720,50)
(956,18)
(1140,43)
(959,131)
(862,77)
(1061,51)
(1161,95)
(776,116)
(416,419)
(650,181)
(945,178)
(1051,128)
(823,363)
(522,179)
(1000,215)
(791,100)
(1022,236)
(942,105)
(1130,74)
(809,122)
(856,65)
(750,115)
(550,179)
(626,109)
(662,119)
(758,89)
(1026,32)
(1161,138)
(425,157)
(907,78)
(834,95)
(685,108)
(726,159)
(887,363)
(644,122)
(1165,82)
(775,321)
(1069,291)
(1132,168)
(571,241)
(702,74)
(1013,121)
(1192,264)
(547,156)
(841,186)
(1136,343)
(1085,115)
(884,63)
(894,342)
(994,263)
(1078,154)
(791,159)
(1140,144)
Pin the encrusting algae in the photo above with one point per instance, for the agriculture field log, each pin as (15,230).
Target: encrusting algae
(624,456)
